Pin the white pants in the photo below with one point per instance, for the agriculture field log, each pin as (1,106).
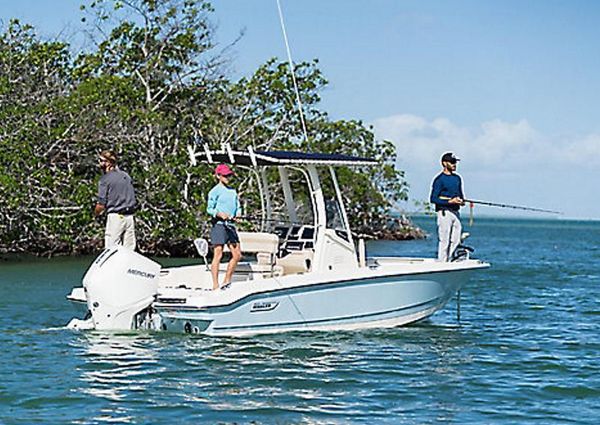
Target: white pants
(449,232)
(120,230)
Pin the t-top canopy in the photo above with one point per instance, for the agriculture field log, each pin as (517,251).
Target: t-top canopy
(255,158)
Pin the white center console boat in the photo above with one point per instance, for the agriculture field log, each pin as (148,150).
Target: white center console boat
(305,273)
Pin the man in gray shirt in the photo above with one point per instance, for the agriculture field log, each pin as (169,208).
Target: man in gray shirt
(116,196)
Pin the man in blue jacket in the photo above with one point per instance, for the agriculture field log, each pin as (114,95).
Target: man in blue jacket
(447,196)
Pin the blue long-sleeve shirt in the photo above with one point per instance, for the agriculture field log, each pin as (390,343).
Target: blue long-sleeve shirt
(223,199)
(446,186)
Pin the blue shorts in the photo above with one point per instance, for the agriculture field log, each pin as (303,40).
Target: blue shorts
(223,233)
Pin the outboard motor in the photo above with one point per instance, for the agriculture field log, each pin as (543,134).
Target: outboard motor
(119,284)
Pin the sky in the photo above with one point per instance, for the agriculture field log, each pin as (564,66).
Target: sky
(512,87)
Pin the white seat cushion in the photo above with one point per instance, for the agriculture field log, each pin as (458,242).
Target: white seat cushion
(255,242)
(295,262)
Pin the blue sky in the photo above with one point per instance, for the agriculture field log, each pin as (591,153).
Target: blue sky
(513,87)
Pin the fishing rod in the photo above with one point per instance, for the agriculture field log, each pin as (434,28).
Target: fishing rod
(500,205)
(515,207)
(270,220)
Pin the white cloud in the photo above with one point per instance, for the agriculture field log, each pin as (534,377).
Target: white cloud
(582,152)
(502,145)
(424,141)
(503,161)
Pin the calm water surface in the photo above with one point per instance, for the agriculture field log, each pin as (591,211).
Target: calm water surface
(527,350)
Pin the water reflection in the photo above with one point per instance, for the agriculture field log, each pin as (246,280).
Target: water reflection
(526,351)
(323,376)
(116,365)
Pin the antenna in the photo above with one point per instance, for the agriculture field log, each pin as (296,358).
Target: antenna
(289,53)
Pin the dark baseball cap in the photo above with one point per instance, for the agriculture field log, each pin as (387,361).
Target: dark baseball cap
(450,157)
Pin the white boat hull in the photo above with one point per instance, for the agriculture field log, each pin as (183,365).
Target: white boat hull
(375,302)
(124,290)
(307,273)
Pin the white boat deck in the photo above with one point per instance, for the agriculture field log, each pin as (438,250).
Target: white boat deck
(191,285)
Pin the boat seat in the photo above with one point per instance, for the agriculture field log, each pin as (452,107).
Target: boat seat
(296,262)
(257,243)
(264,245)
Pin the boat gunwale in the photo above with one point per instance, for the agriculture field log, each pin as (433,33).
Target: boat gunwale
(319,285)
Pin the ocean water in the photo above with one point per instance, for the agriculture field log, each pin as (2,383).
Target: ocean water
(526,350)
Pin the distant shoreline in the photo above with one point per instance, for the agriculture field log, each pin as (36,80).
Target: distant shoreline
(465,216)
(184,248)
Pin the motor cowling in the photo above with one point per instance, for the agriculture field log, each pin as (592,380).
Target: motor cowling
(119,284)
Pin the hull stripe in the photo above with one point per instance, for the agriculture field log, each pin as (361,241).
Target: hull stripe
(288,291)
(333,320)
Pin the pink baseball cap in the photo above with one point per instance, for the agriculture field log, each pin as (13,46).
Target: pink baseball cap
(223,170)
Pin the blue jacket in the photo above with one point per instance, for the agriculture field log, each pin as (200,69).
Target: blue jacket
(223,199)
(446,186)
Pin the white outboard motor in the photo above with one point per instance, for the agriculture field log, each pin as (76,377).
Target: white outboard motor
(118,285)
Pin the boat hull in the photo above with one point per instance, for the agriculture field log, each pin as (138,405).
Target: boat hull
(372,302)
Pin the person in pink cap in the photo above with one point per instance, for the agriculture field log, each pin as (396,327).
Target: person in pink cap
(224,206)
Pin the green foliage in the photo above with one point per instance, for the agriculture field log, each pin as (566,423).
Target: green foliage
(152,85)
